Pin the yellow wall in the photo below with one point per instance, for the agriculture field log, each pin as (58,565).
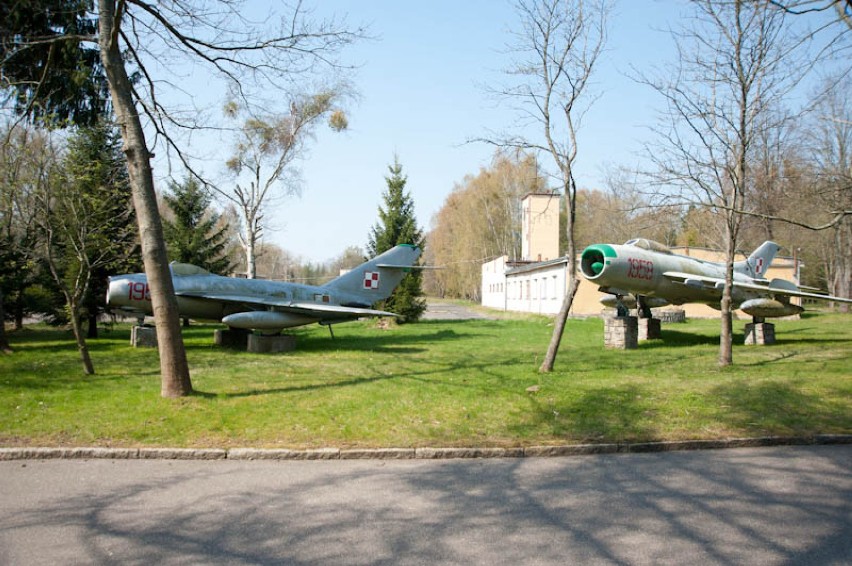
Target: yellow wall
(540,227)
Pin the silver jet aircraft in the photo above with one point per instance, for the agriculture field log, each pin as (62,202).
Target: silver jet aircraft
(647,274)
(270,306)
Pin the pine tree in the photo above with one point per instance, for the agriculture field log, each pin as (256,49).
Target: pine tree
(397,225)
(195,235)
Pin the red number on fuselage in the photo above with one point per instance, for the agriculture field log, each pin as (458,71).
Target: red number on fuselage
(640,268)
(139,291)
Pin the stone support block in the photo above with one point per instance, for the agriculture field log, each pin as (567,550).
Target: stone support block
(260,344)
(231,338)
(649,329)
(759,334)
(670,315)
(621,332)
(143,337)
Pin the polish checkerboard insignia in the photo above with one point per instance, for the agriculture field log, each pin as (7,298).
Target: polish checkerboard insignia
(371,280)
(759,267)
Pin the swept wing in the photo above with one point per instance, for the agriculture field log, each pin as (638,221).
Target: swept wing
(774,287)
(285,304)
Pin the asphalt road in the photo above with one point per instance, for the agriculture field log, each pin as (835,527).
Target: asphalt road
(784,505)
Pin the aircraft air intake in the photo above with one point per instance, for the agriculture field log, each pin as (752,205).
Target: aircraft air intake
(593,260)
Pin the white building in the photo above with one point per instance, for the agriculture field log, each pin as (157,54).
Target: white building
(538,282)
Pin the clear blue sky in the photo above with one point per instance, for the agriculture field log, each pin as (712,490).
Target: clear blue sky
(422,96)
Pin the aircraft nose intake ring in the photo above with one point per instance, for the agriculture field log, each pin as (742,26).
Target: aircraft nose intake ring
(592,263)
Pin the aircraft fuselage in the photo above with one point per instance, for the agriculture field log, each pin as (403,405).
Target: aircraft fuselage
(623,270)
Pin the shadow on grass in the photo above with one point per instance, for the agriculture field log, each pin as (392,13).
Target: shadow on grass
(383,341)
(317,386)
(673,338)
(603,414)
(201,339)
(379,374)
(778,409)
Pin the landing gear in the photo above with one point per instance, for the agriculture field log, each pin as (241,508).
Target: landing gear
(620,310)
(649,327)
(642,308)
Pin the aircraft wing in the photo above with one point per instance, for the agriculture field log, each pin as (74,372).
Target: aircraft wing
(789,290)
(287,305)
(323,308)
(266,301)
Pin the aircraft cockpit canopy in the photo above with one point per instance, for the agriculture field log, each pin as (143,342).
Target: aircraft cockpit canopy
(184,269)
(649,245)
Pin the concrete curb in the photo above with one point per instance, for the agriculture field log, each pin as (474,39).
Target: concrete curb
(93,453)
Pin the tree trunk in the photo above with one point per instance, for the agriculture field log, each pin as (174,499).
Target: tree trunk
(4,340)
(251,262)
(559,326)
(726,335)
(173,364)
(92,330)
(841,283)
(573,284)
(19,312)
(77,327)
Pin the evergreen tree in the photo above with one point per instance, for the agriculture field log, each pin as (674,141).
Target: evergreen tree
(86,223)
(398,225)
(96,168)
(50,74)
(195,235)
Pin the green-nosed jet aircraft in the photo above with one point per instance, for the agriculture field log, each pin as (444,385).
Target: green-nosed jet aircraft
(644,274)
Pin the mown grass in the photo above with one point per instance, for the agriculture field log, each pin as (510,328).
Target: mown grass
(432,383)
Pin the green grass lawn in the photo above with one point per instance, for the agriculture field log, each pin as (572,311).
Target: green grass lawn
(432,384)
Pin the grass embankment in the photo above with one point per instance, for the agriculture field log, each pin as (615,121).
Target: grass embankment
(432,384)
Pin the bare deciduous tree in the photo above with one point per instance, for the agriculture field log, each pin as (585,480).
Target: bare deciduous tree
(479,220)
(831,142)
(263,156)
(736,63)
(147,41)
(558,46)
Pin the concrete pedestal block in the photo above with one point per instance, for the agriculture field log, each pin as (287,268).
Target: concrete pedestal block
(760,334)
(260,344)
(670,315)
(649,329)
(143,337)
(231,338)
(621,332)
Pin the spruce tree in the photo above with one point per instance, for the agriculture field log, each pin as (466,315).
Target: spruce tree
(397,225)
(96,172)
(194,235)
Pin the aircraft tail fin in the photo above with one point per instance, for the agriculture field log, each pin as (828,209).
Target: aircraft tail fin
(759,261)
(376,279)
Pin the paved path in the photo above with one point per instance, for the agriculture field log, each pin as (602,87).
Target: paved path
(782,505)
(437,309)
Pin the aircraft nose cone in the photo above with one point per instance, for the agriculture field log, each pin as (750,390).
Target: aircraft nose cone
(594,259)
(117,291)
(110,292)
